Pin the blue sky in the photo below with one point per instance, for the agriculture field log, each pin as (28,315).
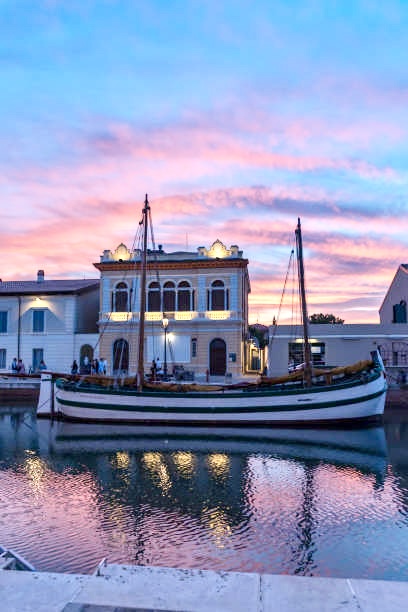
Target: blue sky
(235,117)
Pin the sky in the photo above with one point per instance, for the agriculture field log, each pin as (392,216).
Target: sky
(236,117)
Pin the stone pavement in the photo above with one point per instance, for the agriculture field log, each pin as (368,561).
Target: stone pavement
(124,588)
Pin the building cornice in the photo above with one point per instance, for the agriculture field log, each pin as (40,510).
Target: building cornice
(213,264)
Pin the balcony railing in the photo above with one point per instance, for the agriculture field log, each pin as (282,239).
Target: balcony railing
(218,315)
(120,317)
(180,315)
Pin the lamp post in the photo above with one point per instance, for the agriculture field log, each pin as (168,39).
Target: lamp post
(165,323)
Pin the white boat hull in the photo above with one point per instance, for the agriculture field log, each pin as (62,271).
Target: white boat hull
(349,402)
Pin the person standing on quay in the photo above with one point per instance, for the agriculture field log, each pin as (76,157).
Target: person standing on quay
(74,367)
(102,366)
(158,365)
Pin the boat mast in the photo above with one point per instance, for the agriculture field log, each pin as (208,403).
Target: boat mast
(140,362)
(305,320)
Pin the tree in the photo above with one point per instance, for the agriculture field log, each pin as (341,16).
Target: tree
(260,332)
(325,318)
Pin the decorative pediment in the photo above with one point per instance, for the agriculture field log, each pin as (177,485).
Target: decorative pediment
(218,249)
(122,253)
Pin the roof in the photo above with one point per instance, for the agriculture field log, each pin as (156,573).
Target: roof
(47,286)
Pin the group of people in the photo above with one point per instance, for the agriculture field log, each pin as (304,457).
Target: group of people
(95,366)
(18,367)
(98,366)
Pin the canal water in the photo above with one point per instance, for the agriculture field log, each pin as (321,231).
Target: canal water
(287,501)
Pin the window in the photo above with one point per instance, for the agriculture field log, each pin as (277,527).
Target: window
(38,321)
(153,297)
(38,355)
(193,347)
(121,298)
(399,312)
(185,296)
(2,359)
(3,321)
(169,297)
(218,296)
(296,355)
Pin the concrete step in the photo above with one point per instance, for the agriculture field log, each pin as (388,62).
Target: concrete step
(130,588)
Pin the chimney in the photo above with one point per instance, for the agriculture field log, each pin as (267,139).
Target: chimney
(40,276)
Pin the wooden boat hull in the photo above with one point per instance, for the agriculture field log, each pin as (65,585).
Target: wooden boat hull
(357,401)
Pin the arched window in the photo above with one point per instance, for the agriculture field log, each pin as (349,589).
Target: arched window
(153,297)
(218,296)
(185,296)
(120,357)
(169,297)
(86,354)
(121,298)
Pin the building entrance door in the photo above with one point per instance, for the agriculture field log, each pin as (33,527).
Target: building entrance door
(120,357)
(218,357)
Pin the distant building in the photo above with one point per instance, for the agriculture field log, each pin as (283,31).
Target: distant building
(343,344)
(50,320)
(197,309)
(338,345)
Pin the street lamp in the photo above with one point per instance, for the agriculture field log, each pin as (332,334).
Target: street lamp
(165,323)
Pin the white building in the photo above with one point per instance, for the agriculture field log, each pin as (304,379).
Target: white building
(338,345)
(394,307)
(50,320)
(343,344)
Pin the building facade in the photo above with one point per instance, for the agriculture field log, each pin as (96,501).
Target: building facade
(196,310)
(394,307)
(49,320)
(339,345)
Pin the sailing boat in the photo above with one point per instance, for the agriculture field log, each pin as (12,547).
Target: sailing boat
(351,394)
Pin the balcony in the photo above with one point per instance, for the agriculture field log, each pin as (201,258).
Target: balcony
(218,315)
(180,315)
(120,317)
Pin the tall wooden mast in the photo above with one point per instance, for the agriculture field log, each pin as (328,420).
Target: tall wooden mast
(140,362)
(305,320)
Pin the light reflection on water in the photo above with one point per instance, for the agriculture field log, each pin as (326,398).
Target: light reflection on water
(308,502)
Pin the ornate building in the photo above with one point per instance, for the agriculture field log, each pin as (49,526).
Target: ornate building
(197,309)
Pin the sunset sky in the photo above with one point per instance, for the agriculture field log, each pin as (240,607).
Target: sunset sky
(235,117)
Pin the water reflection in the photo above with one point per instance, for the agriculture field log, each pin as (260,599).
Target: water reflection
(272,500)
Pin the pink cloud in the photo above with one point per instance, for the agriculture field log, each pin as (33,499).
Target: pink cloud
(76,213)
(204,143)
